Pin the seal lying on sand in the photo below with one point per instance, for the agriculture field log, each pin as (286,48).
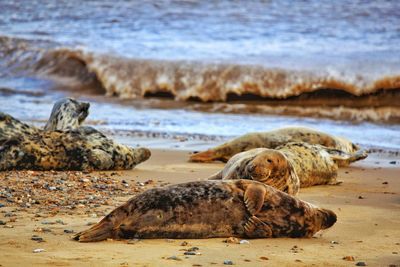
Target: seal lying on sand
(290,166)
(65,145)
(273,139)
(206,209)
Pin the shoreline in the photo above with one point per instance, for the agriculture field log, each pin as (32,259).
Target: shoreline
(367,205)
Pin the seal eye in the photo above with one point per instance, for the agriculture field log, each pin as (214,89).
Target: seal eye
(159,216)
(270,161)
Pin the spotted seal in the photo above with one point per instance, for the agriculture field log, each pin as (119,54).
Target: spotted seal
(289,167)
(64,144)
(206,209)
(273,139)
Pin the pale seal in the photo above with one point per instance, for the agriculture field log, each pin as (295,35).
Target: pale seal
(206,209)
(273,139)
(290,166)
(64,144)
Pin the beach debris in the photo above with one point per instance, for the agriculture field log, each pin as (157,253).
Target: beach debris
(228,262)
(244,241)
(232,240)
(37,238)
(42,230)
(348,258)
(38,250)
(175,258)
(361,263)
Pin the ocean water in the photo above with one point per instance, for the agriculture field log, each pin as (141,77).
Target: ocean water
(208,51)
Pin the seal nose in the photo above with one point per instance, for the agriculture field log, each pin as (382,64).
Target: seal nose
(250,168)
(329,218)
(85,106)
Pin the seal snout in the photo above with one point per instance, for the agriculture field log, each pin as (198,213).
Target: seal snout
(329,218)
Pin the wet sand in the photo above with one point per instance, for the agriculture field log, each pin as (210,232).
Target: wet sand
(367,204)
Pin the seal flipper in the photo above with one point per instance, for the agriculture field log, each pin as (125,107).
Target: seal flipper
(101,231)
(205,156)
(343,158)
(254,196)
(216,176)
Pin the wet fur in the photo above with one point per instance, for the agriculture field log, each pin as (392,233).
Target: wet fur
(290,166)
(206,209)
(273,139)
(64,145)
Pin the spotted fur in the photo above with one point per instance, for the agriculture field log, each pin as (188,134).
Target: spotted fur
(290,166)
(273,139)
(63,145)
(206,209)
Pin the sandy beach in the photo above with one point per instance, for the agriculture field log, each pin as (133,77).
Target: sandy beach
(367,204)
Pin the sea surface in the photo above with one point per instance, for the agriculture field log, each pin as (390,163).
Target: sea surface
(212,68)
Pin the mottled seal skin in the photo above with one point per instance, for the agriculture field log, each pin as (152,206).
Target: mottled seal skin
(273,139)
(289,167)
(67,114)
(206,209)
(64,145)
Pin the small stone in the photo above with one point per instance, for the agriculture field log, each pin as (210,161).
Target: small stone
(361,197)
(385,183)
(8,226)
(90,223)
(232,240)
(184,243)
(264,258)
(68,231)
(60,222)
(392,162)
(2,222)
(93,215)
(361,263)
(38,250)
(37,238)
(85,180)
(52,188)
(244,241)
(348,258)
(169,240)
(394,252)
(175,258)
(298,260)
(190,253)
(334,242)
(2,205)
(228,262)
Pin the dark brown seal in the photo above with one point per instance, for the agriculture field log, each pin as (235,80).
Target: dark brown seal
(206,209)
(273,139)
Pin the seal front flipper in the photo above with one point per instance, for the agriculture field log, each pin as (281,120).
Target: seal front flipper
(255,228)
(254,196)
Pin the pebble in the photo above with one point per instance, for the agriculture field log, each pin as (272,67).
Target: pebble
(244,241)
(228,262)
(361,197)
(361,263)
(392,162)
(2,205)
(175,258)
(349,258)
(37,238)
(334,242)
(8,226)
(133,241)
(264,258)
(68,231)
(184,243)
(38,250)
(190,253)
(2,222)
(232,240)
(52,188)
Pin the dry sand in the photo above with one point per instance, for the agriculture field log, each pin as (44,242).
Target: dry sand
(367,205)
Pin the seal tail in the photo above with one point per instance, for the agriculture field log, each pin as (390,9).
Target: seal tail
(205,156)
(100,231)
(344,159)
